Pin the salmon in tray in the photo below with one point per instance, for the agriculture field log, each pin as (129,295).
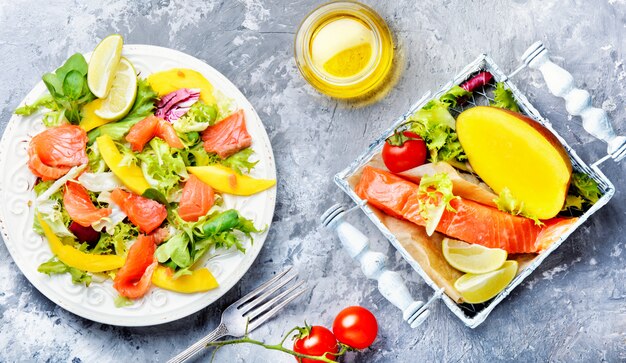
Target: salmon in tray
(474,189)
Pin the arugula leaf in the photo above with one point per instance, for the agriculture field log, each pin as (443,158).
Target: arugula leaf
(143,106)
(503,98)
(54,266)
(506,202)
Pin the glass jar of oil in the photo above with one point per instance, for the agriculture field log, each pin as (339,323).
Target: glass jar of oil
(344,49)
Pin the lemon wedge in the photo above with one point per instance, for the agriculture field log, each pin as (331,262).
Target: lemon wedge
(103,65)
(478,288)
(472,258)
(122,95)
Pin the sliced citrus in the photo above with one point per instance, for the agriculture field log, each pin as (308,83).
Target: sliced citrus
(478,288)
(122,94)
(103,65)
(472,258)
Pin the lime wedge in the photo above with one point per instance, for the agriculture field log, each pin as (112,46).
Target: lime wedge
(103,63)
(479,288)
(472,258)
(122,94)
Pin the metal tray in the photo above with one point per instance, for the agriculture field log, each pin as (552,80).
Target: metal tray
(474,315)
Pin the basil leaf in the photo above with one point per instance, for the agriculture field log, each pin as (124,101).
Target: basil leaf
(156,195)
(53,84)
(74,63)
(73,85)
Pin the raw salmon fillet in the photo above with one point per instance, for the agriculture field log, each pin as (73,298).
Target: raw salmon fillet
(144,213)
(227,136)
(52,152)
(196,200)
(472,222)
(149,128)
(79,206)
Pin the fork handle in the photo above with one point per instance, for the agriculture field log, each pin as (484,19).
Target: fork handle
(186,354)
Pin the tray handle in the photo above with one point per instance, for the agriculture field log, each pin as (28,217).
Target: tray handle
(577,101)
(373,264)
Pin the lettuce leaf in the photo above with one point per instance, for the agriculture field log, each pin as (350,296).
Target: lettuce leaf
(506,202)
(163,167)
(116,242)
(453,96)
(143,106)
(435,193)
(54,266)
(503,98)
(582,194)
(434,126)
(46,101)
(96,163)
(220,230)
(198,118)
(240,161)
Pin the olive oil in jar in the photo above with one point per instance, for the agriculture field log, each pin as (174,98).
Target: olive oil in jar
(344,49)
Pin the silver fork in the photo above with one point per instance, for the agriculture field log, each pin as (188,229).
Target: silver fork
(249,312)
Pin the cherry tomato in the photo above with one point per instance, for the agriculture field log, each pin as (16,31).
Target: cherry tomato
(315,340)
(356,327)
(403,151)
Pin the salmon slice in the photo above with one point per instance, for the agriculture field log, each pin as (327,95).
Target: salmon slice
(227,136)
(149,128)
(79,206)
(61,146)
(52,152)
(196,200)
(472,222)
(43,171)
(133,279)
(144,213)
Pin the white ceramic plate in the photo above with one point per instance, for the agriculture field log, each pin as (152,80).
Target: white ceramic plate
(95,302)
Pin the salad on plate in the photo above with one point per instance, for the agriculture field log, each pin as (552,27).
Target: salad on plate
(132,172)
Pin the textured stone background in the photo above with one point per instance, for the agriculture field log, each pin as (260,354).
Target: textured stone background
(573,308)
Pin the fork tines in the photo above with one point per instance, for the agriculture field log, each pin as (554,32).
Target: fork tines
(259,305)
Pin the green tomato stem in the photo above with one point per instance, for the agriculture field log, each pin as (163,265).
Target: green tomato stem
(278,347)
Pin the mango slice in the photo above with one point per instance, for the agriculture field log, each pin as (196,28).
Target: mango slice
(130,175)
(200,280)
(509,150)
(174,79)
(90,120)
(226,180)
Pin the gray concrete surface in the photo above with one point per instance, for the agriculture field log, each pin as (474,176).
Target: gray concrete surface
(573,308)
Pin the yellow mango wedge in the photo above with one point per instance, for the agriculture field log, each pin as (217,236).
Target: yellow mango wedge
(78,259)
(171,80)
(90,120)
(200,280)
(131,176)
(226,180)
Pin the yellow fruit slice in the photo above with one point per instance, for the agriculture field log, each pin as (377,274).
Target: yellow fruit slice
(479,288)
(76,258)
(226,180)
(130,175)
(122,95)
(472,258)
(509,150)
(200,280)
(89,119)
(103,64)
(174,79)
